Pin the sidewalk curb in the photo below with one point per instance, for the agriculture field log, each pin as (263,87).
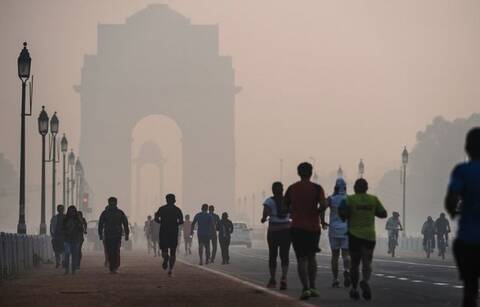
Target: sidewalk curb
(248,284)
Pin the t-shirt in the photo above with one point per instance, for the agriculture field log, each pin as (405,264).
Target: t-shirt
(216,219)
(362,211)
(169,217)
(465,180)
(442,226)
(274,221)
(205,223)
(302,198)
(393,224)
(337,228)
(187,229)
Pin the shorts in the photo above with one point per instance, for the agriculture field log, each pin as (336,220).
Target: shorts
(338,242)
(466,256)
(356,244)
(168,240)
(305,242)
(204,240)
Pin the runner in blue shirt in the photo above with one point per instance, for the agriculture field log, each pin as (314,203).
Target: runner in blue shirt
(206,226)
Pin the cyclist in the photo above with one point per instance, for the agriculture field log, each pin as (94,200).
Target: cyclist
(442,228)
(393,226)
(338,234)
(428,232)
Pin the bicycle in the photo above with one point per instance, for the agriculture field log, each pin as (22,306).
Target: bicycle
(392,241)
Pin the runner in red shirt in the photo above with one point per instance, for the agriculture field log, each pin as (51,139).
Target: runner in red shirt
(307,204)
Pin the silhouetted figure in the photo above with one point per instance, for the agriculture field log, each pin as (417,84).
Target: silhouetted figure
(56,224)
(214,237)
(338,234)
(360,210)
(428,232)
(278,234)
(187,234)
(225,230)
(147,229)
(73,232)
(206,225)
(170,217)
(80,246)
(306,202)
(111,225)
(393,226)
(155,237)
(463,199)
(442,228)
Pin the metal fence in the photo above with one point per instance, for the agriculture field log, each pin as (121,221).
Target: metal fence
(20,253)
(414,244)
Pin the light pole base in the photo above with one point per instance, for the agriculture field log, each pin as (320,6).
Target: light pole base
(22,229)
(43,229)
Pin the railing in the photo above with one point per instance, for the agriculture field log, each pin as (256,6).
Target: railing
(414,244)
(20,253)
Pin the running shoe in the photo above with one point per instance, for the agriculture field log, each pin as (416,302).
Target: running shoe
(306,294)
(366,291)
(346,279)
(336,284)
(283,284)
(354,295)
(314,292)
(271,284)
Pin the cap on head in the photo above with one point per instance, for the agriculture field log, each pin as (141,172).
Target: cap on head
(361,186)
(112,201)
(472,144)
(305,170)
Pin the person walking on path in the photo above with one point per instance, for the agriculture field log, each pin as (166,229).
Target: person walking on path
(206,226)
(278,234)
(147,229)
(463,200)
(73,232)
(82,238)
(337,234)
(214,237)
(360,210)
(170,217)
(225,230)
(155,237)
(113,222)
(306,202)
(56,224)
(187,235)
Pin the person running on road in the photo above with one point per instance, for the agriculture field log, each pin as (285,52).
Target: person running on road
(214,237)
(225,230)
(338,234)
(72,229)
(187,235)
(463,200)
(170,217)
(147,229)
(306,202)
(56,224)
(155,237)
(278,234)
(360,211)
(205,226)
(393,226)
(111,224)
(82,239)
(442,228)
(428,232)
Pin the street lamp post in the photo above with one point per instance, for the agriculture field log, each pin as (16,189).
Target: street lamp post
(64,148)
(404,181)
(54,123)
(71,163)
(361,168)
(78,181)
(24,63)
(43,130)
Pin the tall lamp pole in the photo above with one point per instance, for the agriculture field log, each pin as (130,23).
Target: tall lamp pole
(361,168)
(64,148)
(78,181)
(54,123)
(43,130)
(404,181)
(71,163)
(24,62)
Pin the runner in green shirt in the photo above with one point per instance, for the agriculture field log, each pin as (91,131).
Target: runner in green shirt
(360,210)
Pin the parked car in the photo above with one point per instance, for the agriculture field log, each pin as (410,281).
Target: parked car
(241,235)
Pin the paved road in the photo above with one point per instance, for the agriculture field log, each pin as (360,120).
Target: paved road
(396,282)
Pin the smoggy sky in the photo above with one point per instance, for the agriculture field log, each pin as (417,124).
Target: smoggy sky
(335,80)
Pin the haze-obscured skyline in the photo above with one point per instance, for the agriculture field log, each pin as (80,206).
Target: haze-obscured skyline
(336,80)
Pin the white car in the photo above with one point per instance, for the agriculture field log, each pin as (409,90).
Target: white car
(241,235)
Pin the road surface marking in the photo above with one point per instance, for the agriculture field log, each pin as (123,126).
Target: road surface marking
(417,281)
(458,287)
(403,278)
(441,284)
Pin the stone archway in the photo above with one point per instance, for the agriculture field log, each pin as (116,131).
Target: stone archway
(159,63)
